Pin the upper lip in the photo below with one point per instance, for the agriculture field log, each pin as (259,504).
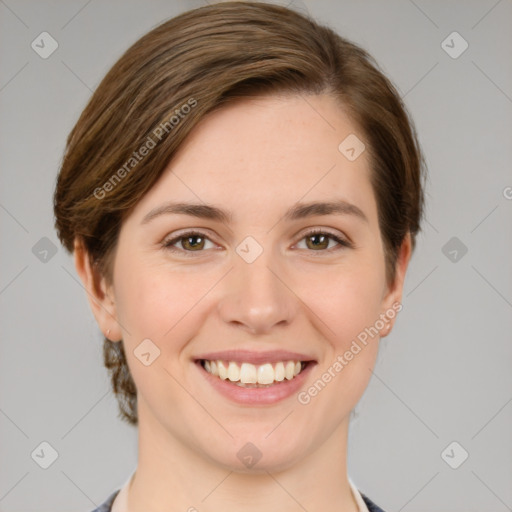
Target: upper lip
(250,356)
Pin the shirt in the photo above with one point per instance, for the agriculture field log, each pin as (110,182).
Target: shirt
(117,501)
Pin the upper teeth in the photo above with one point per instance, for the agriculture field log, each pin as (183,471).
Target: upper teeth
(248,373)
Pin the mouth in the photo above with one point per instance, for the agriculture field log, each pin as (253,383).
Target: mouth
(254,378)
(248,375)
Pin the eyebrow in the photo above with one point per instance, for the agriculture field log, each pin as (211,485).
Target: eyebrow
(296,212)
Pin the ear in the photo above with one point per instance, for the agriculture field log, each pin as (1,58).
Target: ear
(393,294)
(99,293)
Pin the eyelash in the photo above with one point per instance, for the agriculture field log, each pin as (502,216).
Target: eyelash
(168,244)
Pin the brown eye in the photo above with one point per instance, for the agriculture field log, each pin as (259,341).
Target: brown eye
(188,243)
(192,243)
(319,241)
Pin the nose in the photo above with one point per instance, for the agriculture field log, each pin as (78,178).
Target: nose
(256,297)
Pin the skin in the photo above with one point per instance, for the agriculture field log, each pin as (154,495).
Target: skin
(255,158)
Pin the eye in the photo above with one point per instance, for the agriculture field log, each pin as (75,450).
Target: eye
(191,241)
(318,240)
(196,241)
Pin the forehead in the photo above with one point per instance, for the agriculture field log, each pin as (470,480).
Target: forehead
(264,154)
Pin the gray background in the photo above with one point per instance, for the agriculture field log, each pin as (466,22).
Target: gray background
(443,375)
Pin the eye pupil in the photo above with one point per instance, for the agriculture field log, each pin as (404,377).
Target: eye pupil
(193,245)
(320,241)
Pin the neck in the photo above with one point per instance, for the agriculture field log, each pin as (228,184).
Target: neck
(172,476)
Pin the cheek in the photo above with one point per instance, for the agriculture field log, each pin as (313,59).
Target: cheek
(158,302)
(347,300)
(348,305)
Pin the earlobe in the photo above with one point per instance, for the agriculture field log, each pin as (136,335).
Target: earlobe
(386,329)
(99,293)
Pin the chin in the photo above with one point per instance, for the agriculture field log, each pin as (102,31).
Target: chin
(268,463)
(253,457)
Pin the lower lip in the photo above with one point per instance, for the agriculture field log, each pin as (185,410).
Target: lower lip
(257,396)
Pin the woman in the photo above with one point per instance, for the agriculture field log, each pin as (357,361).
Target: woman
(242,195)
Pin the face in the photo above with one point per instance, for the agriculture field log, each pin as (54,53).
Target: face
(267,282)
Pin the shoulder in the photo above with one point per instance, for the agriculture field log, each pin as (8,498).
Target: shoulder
(106,506)
(371,506)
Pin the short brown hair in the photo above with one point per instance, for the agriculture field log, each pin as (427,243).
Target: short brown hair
(203,59)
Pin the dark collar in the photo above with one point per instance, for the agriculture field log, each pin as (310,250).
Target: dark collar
(369,503)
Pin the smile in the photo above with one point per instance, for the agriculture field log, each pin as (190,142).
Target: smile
(255,378)
(249,375)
